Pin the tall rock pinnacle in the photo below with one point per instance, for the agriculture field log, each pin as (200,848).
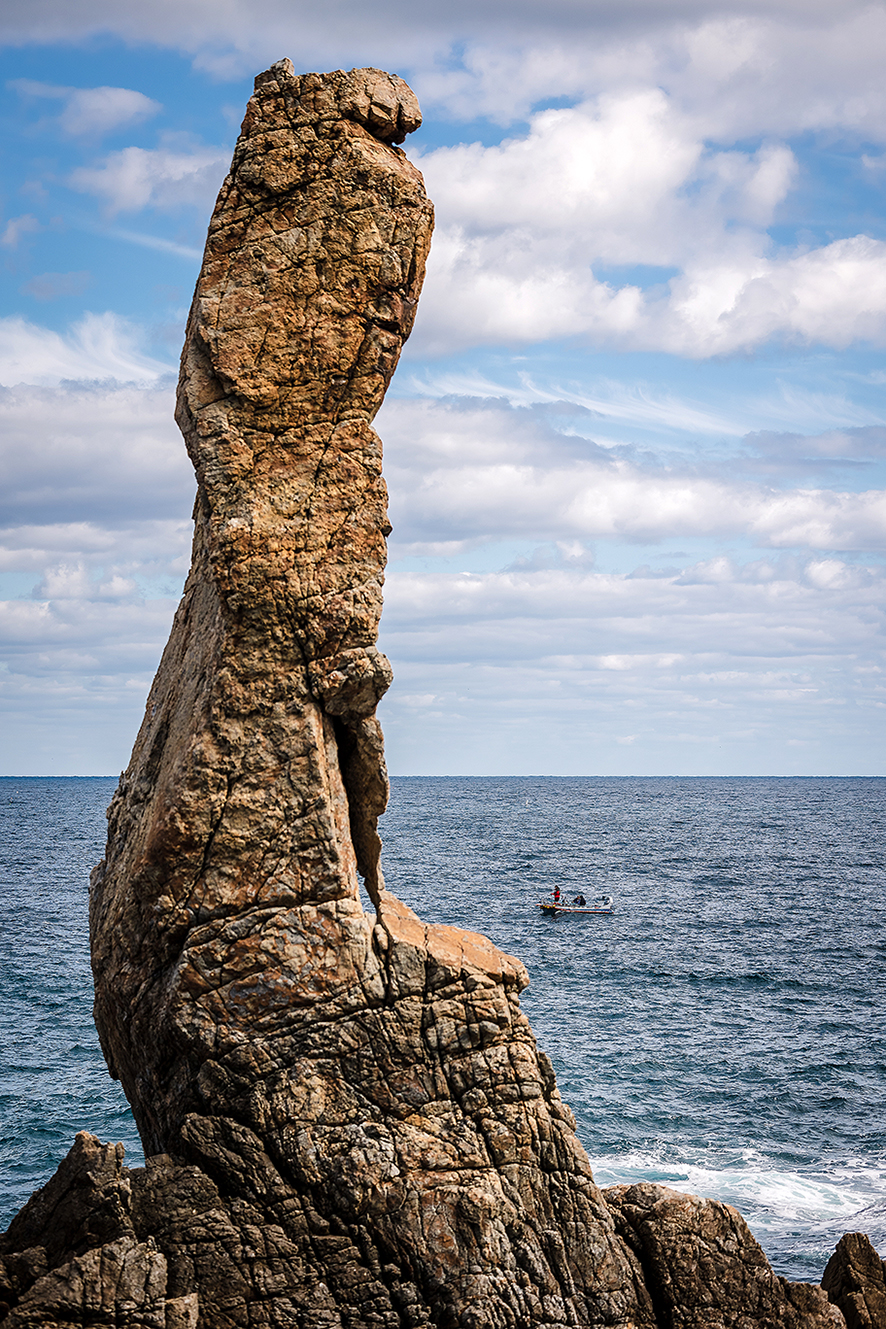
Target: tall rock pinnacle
(228,899)
(347,1121)
(380,1070)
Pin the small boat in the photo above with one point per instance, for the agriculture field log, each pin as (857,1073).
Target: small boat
(601,904)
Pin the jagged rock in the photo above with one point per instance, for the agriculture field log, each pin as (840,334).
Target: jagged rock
(702,1266)
(71,1257)
(347,1121)
(855,1280)
(228,899)
(85,1204)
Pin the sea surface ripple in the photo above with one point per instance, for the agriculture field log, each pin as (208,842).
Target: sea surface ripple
(722,1031)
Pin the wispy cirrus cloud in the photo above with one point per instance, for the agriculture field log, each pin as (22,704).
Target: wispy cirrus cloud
(97,346)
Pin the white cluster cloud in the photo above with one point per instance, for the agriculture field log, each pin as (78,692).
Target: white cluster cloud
(631,219)
(744,69)
(94,531)
(91,112)
(833,295)
(720,663)
(747,67)
(720,669)
(634,213)
(84,635)
(81,453)
(165,178)
(97,502)
(823,606)
(783,66)
(75,676)
(531,230)
(94,544)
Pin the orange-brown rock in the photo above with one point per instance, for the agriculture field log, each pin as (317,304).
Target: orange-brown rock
(347,1120)
(228,896)
(363,1086)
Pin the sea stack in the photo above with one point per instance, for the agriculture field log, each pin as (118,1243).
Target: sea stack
(347,1120)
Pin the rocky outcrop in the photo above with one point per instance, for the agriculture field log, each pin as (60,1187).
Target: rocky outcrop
(71,1255)
(855,1280)
(166,1247)
(361,1085)
(702,1266)
(347,1120)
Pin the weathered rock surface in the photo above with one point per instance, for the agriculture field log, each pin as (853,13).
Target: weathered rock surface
(347,1118)
(226,922)
(855,1280)
(702,1266)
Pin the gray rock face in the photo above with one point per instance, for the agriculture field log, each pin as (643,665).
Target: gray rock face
(349,1124)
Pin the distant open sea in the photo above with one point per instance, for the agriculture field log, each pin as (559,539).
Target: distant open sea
(723,1031)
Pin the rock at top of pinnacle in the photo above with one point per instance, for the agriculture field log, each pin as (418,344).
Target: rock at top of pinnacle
(383,103)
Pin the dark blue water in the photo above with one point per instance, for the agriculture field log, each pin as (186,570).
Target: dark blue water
(53,1080)
(723,1031)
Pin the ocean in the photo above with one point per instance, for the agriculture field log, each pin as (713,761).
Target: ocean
(723,1031)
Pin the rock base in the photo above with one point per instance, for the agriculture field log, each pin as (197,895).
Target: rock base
(170,1246)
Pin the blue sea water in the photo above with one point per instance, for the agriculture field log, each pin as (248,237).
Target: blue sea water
(722,1031)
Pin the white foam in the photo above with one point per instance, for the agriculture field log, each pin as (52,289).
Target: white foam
(770,1198)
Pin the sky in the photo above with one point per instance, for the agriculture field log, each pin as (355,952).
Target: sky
(635,447)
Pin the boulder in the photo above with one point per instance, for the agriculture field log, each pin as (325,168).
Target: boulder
(703,1267)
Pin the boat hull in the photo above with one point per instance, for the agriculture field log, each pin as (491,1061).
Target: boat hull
(575,909)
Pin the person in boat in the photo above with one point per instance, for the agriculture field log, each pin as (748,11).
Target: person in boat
(579,900)
(556,894)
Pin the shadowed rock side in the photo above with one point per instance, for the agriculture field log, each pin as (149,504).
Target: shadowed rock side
(348,1121)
